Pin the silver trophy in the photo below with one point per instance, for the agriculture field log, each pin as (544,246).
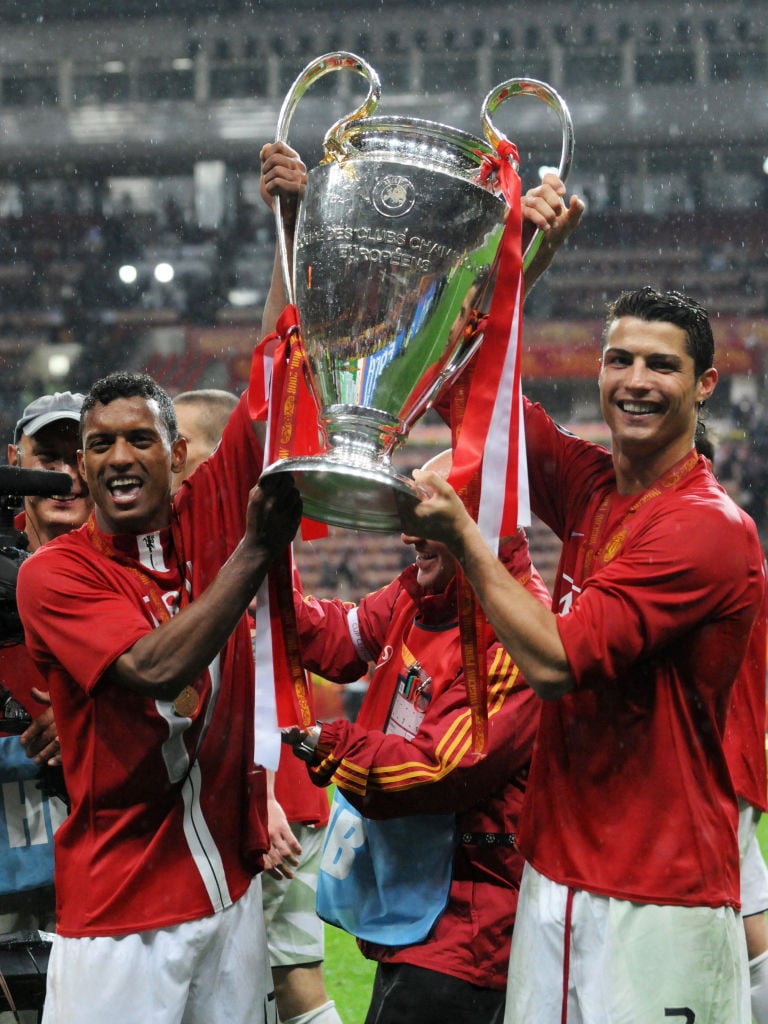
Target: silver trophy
(395,245)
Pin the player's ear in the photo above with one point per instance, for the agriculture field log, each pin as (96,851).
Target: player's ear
(706,384)
(178,454)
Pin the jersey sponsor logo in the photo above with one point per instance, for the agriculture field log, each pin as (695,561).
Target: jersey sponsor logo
(171,601)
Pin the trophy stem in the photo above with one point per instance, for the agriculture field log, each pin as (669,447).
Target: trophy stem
(361,436)
(353,483)
(349,489)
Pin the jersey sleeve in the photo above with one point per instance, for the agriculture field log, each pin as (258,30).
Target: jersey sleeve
(339,639)
(327,646)
(554,468)
(216,495)
(387,775)
(662,585)
(744,741)
(74,616)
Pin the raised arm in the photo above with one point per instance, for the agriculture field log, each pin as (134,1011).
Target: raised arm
(283,174)
(165,660)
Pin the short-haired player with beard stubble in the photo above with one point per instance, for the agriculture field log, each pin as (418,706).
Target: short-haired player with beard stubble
(629,904)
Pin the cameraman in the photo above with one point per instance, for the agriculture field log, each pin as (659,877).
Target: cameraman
(46,437)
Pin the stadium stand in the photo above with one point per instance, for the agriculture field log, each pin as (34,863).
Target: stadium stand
(131,139)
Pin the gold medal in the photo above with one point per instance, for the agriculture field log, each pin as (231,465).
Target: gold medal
(186,702)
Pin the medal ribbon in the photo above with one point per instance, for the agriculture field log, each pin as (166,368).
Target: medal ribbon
(278,393)
(593,546)
(104,544)
(471,615)
(188,699)
(472,634)
(294,704)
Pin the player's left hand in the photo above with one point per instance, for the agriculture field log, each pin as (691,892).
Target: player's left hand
(284,847)
(40,740)
(547,209)
(274,512)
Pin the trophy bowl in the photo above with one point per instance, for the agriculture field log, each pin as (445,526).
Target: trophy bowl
(395,246)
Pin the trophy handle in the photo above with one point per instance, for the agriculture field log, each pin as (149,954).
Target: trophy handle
(335,61)
(542,91)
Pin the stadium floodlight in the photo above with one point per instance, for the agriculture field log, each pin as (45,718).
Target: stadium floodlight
(164,273)
(128,273)
(59,364)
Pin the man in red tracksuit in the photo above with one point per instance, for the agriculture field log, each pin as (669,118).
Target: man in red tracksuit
(411,755)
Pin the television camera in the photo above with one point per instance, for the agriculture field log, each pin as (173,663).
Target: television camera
(15,483)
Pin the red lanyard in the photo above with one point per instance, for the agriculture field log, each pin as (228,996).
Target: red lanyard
(106,546)
(593,548)
(471,616)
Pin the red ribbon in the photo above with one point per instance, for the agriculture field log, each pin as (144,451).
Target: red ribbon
(278,392)
(293,702)
(492,357)
(472,628)
(472,410)
(278,389)
(268,355)
(502,167)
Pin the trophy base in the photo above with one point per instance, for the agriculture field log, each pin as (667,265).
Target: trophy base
(352,496)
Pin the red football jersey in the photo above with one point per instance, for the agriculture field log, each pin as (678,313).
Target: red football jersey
(630,794)
(161,804)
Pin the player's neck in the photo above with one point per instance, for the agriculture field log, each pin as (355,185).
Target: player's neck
(636,471)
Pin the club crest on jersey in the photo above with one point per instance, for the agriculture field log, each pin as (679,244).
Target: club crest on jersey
(614,545)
